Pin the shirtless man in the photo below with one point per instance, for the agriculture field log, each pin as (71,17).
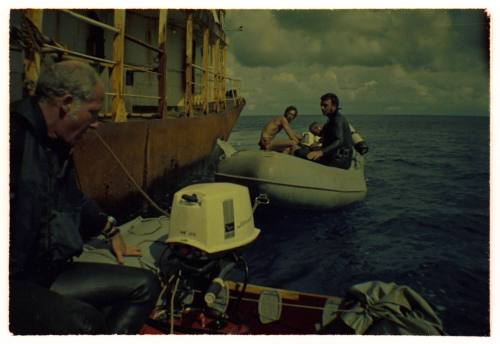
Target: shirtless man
(274,126)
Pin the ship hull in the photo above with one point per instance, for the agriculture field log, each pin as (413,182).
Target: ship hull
(156,153)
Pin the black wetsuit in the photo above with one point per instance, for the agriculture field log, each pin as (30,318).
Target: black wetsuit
(337,145)
(49,221)
(337,142)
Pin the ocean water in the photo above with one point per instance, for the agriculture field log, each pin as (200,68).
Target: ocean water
(424,222)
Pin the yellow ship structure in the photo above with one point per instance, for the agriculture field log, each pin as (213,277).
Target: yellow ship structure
(168,97)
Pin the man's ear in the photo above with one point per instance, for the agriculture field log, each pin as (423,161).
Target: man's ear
(66,103)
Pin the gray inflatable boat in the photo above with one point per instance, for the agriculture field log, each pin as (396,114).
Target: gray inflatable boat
(289,181)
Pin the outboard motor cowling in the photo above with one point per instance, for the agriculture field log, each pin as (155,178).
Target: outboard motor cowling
(209,225)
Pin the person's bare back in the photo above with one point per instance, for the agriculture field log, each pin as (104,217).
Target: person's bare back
(274,126)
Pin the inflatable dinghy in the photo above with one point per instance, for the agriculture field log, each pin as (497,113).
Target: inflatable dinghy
(290,181)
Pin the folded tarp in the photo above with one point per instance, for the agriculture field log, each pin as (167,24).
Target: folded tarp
(386,309)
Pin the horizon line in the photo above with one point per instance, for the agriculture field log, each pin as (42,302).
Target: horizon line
(385,114)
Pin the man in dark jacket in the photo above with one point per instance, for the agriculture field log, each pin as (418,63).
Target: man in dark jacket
(336,136)
(51,218)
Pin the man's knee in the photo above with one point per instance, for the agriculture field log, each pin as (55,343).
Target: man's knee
(151,285)
(146,285)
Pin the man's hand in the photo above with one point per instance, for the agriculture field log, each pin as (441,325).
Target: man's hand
(121,249)
(314,155)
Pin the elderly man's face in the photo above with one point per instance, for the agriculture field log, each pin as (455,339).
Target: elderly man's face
(327,106)
(80,116)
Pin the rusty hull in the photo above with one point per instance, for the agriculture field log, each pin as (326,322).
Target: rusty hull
(152,151)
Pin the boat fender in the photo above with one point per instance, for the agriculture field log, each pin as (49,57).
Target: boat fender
(270,305)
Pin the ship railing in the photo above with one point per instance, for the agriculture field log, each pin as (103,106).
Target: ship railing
(205,97)
(233,90)
(91,21)
(212,96)
(111,28)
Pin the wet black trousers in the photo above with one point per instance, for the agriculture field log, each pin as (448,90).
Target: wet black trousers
(85,298)
(340,163)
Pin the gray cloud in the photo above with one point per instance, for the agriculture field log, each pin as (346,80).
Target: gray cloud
(378,61)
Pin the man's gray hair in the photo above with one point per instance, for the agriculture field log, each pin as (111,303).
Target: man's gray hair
(74,77)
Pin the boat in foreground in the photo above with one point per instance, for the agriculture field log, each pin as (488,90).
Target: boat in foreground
(290,181)
(197,254)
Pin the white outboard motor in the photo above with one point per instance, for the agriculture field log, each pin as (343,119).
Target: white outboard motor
(209,224)
(213,217)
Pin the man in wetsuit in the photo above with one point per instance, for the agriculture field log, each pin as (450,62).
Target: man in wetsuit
(337,146)
(50,219)
(274,126)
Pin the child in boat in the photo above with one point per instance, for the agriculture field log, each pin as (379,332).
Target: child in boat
(274,126)
(312,138)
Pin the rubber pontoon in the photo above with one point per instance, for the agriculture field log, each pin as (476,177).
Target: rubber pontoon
(294,182)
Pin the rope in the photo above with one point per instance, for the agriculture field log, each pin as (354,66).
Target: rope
(139,188)
(172,303)
(267,181)
(131,230)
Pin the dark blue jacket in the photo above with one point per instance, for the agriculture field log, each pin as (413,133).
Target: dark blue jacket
(49,216)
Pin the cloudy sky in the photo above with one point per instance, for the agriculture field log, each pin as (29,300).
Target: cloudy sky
(377,61)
